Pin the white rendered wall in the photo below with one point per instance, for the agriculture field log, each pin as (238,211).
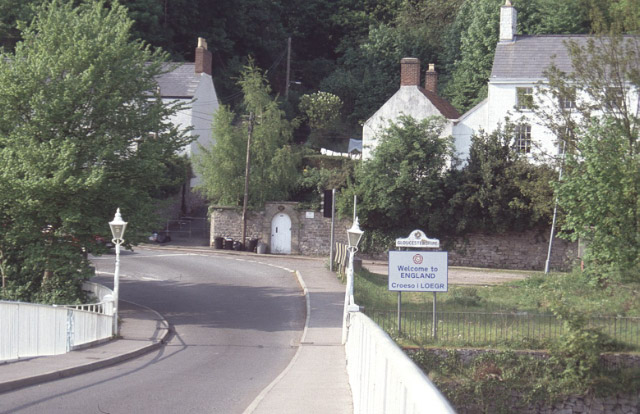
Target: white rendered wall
(408,100)
(501,104)
(198,114)
(475,120)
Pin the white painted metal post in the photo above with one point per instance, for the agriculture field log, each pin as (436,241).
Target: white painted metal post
(116,288)
(348,294)
(118,226)
(331,239)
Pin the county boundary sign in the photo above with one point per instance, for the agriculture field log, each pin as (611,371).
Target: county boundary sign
(418,271)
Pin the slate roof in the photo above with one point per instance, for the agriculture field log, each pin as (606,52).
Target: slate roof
(529,56)
(446,109)
(181,82)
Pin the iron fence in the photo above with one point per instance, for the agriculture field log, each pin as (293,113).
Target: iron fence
(529,330)
(188,227)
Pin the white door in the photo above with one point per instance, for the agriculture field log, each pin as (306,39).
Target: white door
(281,234)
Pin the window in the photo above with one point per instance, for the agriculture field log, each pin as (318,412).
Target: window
(523,138)
(568,101)
(524,98)
(614,96)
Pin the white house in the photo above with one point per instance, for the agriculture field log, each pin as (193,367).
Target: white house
(412,100)
(519,64)
(192,84)
(517,74)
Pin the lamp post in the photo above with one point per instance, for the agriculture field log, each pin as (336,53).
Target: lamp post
(354,235)
(118,227)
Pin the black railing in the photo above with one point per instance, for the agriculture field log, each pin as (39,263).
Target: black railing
(522,329)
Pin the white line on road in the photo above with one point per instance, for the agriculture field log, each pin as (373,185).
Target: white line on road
(146,257)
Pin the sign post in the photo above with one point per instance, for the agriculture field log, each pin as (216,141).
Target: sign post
(418,271)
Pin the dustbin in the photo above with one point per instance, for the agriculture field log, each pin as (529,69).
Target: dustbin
(253,243)
(237,246)
(262,248)
(228,243)
(218,242)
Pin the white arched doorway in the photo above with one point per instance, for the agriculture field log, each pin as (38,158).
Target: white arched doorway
(281,234)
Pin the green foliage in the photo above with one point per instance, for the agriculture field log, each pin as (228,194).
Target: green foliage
(400,188)
(506,382)
(553,17)
(464,296)
(369,71)
(314,180)
(76,119)
(322,109)
(273,161)
(408,184)
(499,189)
(600,190)
(479,24)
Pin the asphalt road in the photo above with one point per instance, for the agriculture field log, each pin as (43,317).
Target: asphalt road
(237,325)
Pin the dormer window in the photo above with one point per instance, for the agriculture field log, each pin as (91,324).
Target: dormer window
(524,98)
(522,138)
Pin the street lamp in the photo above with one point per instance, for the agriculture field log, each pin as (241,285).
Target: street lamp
(354,235)
(118,227)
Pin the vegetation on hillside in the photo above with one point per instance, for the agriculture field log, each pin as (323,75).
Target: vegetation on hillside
(76,119)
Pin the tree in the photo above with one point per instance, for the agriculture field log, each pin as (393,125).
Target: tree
(600,190)
(273,161)
(472,37)
(500,190)
(401,187)
(479,24)
(81,133)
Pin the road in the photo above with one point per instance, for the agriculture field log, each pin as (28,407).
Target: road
(237,325)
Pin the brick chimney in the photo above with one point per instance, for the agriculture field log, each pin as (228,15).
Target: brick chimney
(203,58)
(508,22)
(431,79)
(409,72)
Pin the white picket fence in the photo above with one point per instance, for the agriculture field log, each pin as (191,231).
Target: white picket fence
(383,379)
(30,329)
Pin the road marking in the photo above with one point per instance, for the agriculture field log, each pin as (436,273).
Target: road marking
(146,257)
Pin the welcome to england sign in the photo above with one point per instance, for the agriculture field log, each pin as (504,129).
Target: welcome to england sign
(417,271)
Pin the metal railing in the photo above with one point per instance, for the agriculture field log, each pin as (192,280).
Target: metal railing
(482,329)
(188,227)
(99,292)
(31,329)
(383,379)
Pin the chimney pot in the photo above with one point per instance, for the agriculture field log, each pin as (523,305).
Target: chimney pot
(409,72)
(431,79)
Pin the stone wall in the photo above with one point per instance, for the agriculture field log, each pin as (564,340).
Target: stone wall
(574,404)
(310,235)
(525,250)
(310,231)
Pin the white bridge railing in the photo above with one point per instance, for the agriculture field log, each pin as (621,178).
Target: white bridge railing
(30,329)
(383,379)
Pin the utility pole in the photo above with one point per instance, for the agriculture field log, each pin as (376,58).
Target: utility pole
(246,181)
(286,88)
